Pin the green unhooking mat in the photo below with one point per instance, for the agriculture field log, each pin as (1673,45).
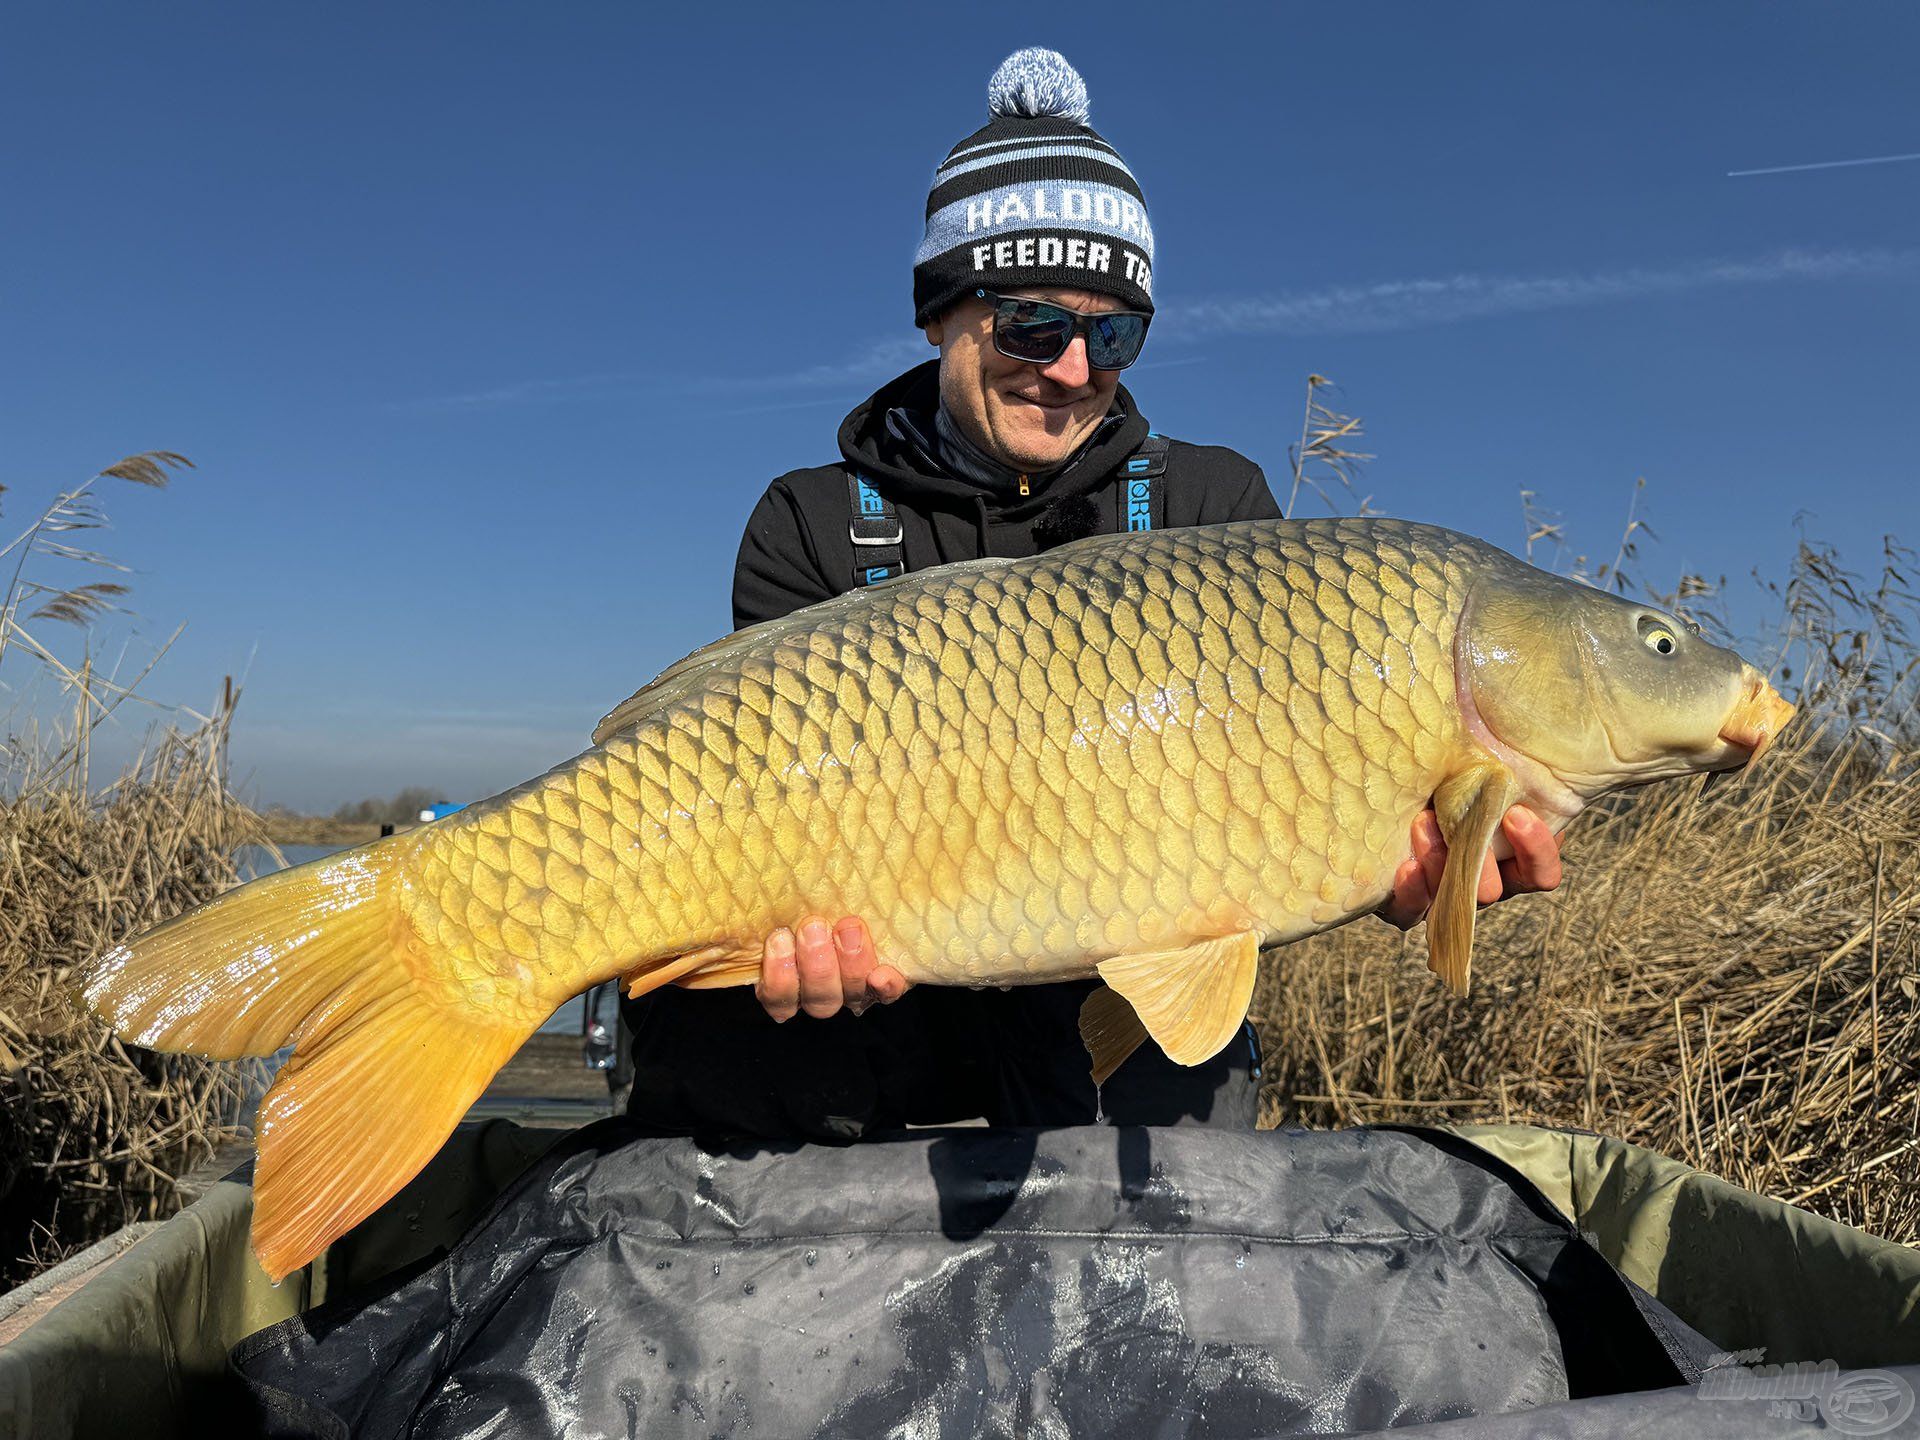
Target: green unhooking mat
(1056,1283)
(1001,1283)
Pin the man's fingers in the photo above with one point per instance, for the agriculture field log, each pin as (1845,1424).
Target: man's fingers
(1491,887)
(1536,851)
(863,978)
(1418,878)
(1409,900)
(1430,849)
(886,984)
(853,947)
(779,985)
(819,966)
(1535,865)
(821,970)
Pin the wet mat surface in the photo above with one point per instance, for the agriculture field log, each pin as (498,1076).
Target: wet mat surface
(968,1283)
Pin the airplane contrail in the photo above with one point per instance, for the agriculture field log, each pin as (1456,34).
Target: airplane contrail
(1825,165)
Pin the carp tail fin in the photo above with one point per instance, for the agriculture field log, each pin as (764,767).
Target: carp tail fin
(376,1084)
(239,974)
(382,1070)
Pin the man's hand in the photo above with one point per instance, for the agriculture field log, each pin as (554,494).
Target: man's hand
(819,969)
(1535,866)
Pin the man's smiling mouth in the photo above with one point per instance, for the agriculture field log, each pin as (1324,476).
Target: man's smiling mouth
(1063,402)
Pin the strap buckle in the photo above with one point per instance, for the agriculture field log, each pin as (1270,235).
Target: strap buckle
(869,538)
(873,520)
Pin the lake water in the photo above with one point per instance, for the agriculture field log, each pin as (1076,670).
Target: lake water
(255,860)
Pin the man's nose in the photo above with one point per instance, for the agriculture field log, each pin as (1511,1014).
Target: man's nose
(1070,371)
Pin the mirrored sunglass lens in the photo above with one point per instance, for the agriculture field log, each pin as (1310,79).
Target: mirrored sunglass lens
(1042,337)
(1113,341)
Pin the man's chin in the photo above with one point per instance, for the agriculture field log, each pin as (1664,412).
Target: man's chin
(1036,461)
(1040,439)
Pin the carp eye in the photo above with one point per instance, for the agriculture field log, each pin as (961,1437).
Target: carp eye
(1657,637)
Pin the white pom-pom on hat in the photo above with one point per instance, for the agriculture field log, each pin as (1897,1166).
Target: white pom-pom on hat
(1036,82)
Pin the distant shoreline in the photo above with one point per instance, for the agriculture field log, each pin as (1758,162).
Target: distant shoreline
(284,829)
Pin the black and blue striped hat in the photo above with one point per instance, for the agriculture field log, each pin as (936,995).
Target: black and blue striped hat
(1035,197)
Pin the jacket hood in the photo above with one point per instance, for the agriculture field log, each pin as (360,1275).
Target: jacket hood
(898,454)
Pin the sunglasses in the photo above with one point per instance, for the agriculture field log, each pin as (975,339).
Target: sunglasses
(1039,332)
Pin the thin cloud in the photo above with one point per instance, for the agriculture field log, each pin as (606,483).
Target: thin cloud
(1824,165)
(879,359)
(773,407)
(525,392)
(1409,304)
(1374,308)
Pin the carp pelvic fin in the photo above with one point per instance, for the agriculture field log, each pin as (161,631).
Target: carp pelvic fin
(382,1069)
(1469,806)
(713,968)
(1192,1000)
(1110,1028)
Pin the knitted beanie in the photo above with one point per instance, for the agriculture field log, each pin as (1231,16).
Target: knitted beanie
(1034,197)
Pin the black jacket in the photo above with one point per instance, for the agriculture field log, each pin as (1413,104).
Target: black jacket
(712,1060)
(798,551)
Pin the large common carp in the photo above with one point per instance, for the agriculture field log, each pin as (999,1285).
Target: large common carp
(1145,756)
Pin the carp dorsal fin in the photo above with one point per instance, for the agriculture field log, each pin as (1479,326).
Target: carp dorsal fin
(1190,1000)
(1111,1030)
(676,679)
(1468,805)
(690,671)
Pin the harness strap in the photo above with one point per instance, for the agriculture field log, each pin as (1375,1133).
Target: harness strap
(873,524)
(1141,495)
(874,527)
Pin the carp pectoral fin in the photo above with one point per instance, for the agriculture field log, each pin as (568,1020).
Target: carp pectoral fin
(1192,1001)
(1110,1028)
(1469,806)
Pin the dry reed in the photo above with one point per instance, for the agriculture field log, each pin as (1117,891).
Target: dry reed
(92,1133)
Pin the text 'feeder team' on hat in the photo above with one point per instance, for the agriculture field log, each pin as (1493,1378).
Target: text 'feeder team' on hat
(1034,197)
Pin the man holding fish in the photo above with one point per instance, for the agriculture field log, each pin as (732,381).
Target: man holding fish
(1034,282)
(1145,755)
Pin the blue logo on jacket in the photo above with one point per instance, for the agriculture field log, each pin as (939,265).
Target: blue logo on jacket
(1139,504)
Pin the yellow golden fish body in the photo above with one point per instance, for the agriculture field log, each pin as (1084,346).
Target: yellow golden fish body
(1142,755)
(1012,770)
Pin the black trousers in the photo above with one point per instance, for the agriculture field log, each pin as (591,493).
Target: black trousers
(713,1061)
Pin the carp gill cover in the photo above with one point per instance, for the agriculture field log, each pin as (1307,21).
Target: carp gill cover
(1145,756)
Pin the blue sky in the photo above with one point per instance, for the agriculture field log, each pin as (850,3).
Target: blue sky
(486,324)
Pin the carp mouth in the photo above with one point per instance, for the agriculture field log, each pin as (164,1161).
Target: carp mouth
(1756,720)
